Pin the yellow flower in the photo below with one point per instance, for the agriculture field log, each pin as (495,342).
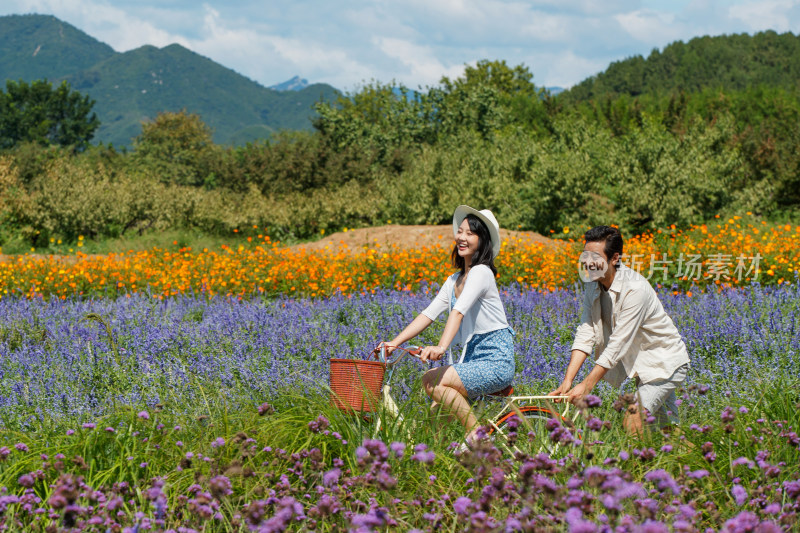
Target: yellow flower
(566,230)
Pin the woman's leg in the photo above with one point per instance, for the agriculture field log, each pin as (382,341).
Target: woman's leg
(444,387)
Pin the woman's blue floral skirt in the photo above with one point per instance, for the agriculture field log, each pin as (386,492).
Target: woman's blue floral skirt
(488,364)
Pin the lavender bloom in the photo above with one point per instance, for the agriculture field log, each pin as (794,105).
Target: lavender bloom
(144,415)
(663,481)
(739,495)
(319,425)
(151,336)
(577,524)
(422,454)
(698,474)
(592,400)
(398,448)
(462,505)
(220,487)
(331,477)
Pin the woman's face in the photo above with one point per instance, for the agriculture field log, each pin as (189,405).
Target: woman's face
(466,240)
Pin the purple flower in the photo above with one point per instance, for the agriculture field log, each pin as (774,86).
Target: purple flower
(220,486)
(728,415)
(462,505)
(87,425)
(423,455)
(592,400)
(739,495)
(319,425)
(594,424)
(110,430)
(26,480)
(744,522)
(398,448)
(663,481)
(265,409)
(651,526)
(574,518)
(218,442)
(144,415)
(698,474)
(21,446)
(331,477)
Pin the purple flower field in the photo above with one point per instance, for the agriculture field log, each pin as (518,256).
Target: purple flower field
(160,423)
(55,362)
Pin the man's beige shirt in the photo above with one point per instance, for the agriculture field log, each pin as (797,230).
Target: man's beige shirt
(629,330)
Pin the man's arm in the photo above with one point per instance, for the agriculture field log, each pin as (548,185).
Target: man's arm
(575,361)
(585,387)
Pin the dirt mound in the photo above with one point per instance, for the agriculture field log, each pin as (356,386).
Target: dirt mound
(405,237)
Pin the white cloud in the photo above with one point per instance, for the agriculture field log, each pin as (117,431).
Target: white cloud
(565,69)
(414,42)
(649,26)
(420,61)
(766,14)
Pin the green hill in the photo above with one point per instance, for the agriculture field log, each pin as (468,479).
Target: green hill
(134,86)
(729,62)
(34,47)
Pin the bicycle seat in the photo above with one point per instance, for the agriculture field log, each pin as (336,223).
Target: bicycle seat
(508,391)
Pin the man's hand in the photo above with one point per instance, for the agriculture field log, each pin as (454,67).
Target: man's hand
(561,390)
(579,391)
(434,353)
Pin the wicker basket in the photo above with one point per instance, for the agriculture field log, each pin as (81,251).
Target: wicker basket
(356,384)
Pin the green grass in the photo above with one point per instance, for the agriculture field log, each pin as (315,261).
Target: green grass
(280,453)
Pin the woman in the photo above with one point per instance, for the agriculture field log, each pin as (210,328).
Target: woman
(477,320)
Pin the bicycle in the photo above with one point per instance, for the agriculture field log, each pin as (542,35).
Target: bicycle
(364,387)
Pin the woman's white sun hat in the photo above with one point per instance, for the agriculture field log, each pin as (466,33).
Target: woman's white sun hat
(486,216)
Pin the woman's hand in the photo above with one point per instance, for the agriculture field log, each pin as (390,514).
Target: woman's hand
(433,353)
(390,347)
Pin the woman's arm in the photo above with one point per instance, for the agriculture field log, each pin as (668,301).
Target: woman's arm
(417,326)
(450,329)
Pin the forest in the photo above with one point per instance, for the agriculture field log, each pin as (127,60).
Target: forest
(649,143)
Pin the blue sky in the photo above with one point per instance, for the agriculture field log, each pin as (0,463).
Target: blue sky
(414,42)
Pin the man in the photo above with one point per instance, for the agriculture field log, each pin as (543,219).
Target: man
(632,336)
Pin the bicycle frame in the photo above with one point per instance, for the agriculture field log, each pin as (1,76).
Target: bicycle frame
(510,404)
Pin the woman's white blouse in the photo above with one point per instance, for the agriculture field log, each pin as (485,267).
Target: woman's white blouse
(479,302)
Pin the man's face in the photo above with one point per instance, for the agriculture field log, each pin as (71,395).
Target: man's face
(593,263)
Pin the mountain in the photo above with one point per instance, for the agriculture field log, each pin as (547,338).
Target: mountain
(134,86)
(34,47)
(295,84)
(729,62)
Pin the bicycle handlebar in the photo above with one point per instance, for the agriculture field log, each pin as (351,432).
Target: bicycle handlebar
(382,357)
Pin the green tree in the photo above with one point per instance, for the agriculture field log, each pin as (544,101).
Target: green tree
(39,113)
(177,147)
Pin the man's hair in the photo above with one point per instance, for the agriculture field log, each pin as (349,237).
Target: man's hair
(608,235)
(483,255)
